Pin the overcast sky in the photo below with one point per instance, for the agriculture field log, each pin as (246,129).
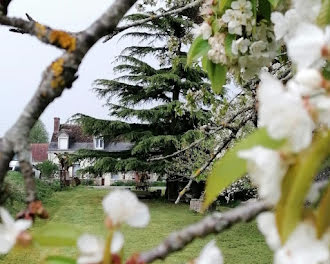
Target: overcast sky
(23,59)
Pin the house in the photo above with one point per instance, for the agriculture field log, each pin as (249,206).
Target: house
(69,138)
(39,153)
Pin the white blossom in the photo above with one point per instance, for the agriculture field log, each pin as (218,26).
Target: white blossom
(240,45)
(257,48)
(217,53)
(266,170)
(283,113)
(91,248)
(122,206)
(322,105)
(308,10)
(285,25)
(244,6)
(204,30)
(303,247)
(210,254)
(306,82)
(206,8)
(10,230)
(305,47)
(234,19)
(267,226)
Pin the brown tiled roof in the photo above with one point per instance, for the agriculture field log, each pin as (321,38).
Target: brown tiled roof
(39,152)
(75,133)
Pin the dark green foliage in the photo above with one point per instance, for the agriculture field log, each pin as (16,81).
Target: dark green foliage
(38,133)
(164,127)
(47,168)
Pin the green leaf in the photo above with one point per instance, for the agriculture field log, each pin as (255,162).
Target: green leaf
(198,48)
(297,182)
(326,71)
(55,235)
(255,4)
(223,5)
(323,213)
(59,260)
(228,44)
(274,3)
(217,74)
(264,10)
(230,167)
(324,16)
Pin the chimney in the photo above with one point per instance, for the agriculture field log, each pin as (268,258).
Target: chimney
(56,124)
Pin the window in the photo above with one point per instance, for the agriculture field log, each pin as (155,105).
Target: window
(99,143)
(63,141)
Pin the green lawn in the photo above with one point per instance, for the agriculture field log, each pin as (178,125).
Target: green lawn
(82,208)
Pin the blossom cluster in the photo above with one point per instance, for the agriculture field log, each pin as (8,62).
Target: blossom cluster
(292,112)
(252,43)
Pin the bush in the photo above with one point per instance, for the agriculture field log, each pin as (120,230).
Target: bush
(47,168)
(87,182)
(16,191)
(124,183)
(158,184)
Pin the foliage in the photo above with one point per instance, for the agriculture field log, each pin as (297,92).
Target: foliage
(47,168)
(38,134)
(16,191)
(161,129)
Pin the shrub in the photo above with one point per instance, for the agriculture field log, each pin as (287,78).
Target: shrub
(124,183)
(47,168)
(87,182)
(16,191)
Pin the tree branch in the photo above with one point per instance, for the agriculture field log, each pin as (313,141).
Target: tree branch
(214,223)
(4,7)
(152,17)
(198,141)
(56,78)
(216,152)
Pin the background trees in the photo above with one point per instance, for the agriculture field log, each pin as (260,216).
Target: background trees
(153,73)
(38,133)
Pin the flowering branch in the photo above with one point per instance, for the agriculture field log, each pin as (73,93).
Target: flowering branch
(152,17)
(214,223)
(56,78)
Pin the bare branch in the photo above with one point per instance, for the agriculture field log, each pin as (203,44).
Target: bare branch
(214,223)
(152,17)
(56,78)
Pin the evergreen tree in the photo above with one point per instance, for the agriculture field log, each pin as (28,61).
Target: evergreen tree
(38,133)
(164,128)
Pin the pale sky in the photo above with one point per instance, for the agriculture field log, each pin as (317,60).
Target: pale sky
(23,59)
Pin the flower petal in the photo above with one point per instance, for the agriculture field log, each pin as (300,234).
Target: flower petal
(6,217)
(141,216)
(22,225)
(267,226)
(210,254)
(117,242)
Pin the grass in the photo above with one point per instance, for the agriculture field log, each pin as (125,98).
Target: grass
(82,207)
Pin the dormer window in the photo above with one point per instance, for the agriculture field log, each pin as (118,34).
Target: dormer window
(63,141)
(99,143)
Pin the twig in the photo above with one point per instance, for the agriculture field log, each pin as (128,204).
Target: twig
(152,17)
(213,224)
